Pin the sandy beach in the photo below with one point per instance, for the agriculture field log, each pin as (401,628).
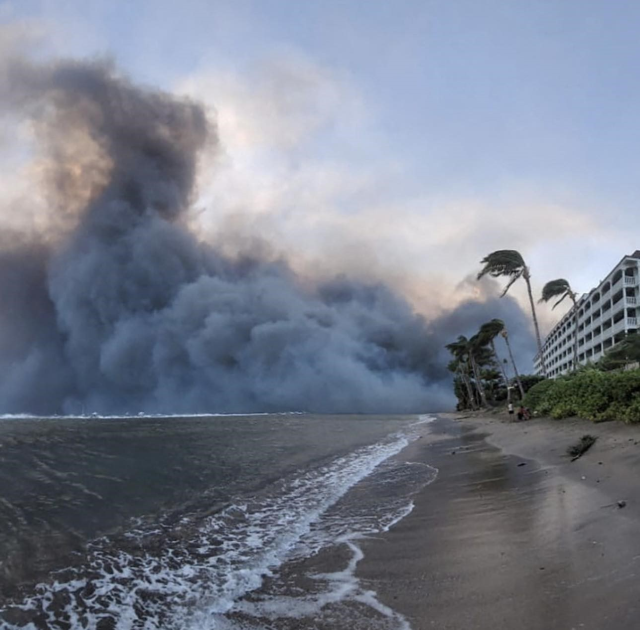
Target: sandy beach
(512,534)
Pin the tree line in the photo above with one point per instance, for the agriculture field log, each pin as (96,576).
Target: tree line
(480,376)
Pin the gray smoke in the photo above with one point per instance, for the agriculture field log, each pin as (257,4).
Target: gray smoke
(118,307)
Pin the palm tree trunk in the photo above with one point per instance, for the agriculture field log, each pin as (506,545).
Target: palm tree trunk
(513,363)
(479,386)
(465,378)
(495,354)
(575,333)
(527,278)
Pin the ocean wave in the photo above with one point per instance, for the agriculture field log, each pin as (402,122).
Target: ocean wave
(194,573)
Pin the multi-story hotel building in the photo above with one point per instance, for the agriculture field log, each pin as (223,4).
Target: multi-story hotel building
(605,316)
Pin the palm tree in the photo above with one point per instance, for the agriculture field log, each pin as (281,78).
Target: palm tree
(459,368)
(562,289)
(490,330)
(509,263)
(460,351)
(477,344)
(464,350)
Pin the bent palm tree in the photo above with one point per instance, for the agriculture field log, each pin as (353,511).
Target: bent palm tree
(460,351)
(477,355)
(509,263)
(490,330)
(458,367)
(562,289)
(465,350)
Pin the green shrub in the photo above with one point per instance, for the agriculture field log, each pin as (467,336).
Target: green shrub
(563,409)
(632,413)
(537,393)
(590,394)
(615,411)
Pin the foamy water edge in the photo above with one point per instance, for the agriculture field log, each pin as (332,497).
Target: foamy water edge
(207,587)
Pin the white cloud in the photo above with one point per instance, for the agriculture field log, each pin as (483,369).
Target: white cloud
(287,174)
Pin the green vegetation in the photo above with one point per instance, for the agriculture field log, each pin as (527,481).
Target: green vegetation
(625,352)
(480,376)
(579,449)
(609,390)
(589,393)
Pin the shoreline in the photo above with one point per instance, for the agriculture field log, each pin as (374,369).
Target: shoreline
(512,533)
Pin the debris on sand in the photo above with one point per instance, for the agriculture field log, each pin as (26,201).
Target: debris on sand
(578,450)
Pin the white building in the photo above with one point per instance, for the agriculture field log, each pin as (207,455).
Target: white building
(605,316)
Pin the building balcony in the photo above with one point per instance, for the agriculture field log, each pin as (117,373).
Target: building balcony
(617,306)
(630,280)
(631,300)
(624,323)
(618,326)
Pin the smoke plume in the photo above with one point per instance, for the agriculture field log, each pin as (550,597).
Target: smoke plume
(116,306)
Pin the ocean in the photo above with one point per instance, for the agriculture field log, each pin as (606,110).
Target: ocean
(201,522)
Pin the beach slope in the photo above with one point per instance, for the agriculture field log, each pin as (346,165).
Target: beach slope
(512,534)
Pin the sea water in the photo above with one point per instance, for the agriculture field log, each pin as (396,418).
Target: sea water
(203,522)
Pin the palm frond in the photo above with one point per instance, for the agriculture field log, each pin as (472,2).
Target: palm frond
(510,283)
(503,262)
(459,347)
(492,329)
(566,295)
(555,288)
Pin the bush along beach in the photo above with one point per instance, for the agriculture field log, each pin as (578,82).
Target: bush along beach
(588,393)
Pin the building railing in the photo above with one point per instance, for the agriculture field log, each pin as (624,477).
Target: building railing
(631,300)
(629,280)
(625,322)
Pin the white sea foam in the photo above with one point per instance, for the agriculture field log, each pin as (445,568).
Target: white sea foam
(96,416)
(205,566)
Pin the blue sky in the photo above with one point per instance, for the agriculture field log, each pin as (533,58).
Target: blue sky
(405,139)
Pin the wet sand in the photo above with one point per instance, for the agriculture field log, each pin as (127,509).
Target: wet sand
(514,535)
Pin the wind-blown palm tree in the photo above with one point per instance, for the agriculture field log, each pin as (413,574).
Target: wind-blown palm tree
(460,351)
(465,350)
(490,330)
(562,289)
(509,263)
(475,346)
(459,368)
(479,355)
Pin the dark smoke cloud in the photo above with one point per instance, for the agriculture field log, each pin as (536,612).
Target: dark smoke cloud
(118,307)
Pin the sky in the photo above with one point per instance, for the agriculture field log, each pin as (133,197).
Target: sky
(405,139)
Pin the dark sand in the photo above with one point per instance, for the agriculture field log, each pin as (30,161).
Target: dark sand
(496,544)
